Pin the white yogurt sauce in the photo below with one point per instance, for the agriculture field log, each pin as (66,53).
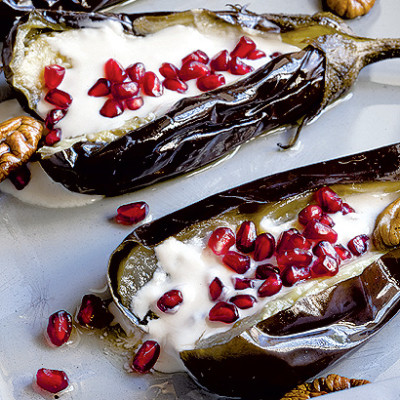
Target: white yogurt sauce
(190,267)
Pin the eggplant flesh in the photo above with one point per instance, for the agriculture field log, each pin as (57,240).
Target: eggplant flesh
(265,358)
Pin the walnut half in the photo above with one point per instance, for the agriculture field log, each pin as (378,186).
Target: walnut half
(350,8)
(19,138)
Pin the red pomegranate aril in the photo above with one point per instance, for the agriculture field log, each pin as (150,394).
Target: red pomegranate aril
(168,70)
(315,230)
(193,70)
(101,88)
(220,62)
(284,240)
(328,200)
(114,71)
(243,301)
(151,85)
(53,75)
(358,245)
(347,209)
(58,98)
(136,72)
(111,109)
(293,274)
(296,257)
(134,103)
(197,55)
(146,356)
(342,252)
(132,213)
(275,54)
(93,312)
(325,266)
(264,247)
(255,55)
(53,137)
(246,237)
(210,82)
(266,270)
(272,285)
(53,117)
(327,220)
(52,380)
(20,177)
(216,287)
(310,213)
(124,90)
(243,47)
(243,283)
(224,312)
(325,248)
(59,327)
(238,67)
(175,85)
(169,300)
(221,240)
(236,261)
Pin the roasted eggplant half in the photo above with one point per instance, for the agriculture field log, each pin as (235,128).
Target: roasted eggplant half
(284,336)
(196,130)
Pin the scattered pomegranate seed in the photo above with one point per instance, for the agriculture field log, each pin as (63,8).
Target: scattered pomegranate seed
(132,213)
(114,71)
(310,213)
(101,88)
(210,82)
(169,71)
(292,239)
(175,85)
(93,312)
(296,257)
(325,248)
(111,109)
(264,271)
(272,285)
(275,54)
(135,103)
(136,72)
(53,117)
(315,230)
(325,266)
(223,312)
(197,55)
(215,288)
(58,98)
(221,240)
(243,47)
(358,245)
(328,200)
(238,67)
(59,327)
(52,380)
(20,177)
(53,75)
(151,85)
(255,55)
(169,300)
(124,90)
(53,137)
(193,70)
(347,209)
(327,220)
(246,237)
(264,247)
(292,275)
(146,356)
(243,283)
(243,301)
(220,62)
(236,261)
(342,252)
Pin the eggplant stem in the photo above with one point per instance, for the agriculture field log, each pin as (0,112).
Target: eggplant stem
(294,138)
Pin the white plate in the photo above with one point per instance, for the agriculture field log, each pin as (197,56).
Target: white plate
(51,258)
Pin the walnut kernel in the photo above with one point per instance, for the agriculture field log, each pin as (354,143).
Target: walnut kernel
(350,8)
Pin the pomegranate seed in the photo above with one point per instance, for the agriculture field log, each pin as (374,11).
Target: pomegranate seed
(325,266)
(132,213)
(246,237)
(20,177)
(347,209)
(93,312)
(114,71)
(310,213)
(101,88)
(197,55)
(275,54)
(296,257)
(136,72)
(265,270)
(169,300)
(53,137)
(52,380)
(169,71)
(315,230)
(220,62)
(358,245)
(59,327)
(215,289)
(58,98)
(327,220)
(124,90)
(325,248)
(111,109)
(243,47)
(146,356)
(264,247)
(272,285)
(292,239)
(53,117)
(342,252)
(243,283)
(236,261)
(210,82)
(151,85)
(255,55)
(193,70)
(238,67)
(135,103)
(175,85)
(243,301)
(221,240)
(223,312)
(328,200)
(53,75)
(293,274)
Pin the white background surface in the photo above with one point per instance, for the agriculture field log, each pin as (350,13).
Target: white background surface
(50,258)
